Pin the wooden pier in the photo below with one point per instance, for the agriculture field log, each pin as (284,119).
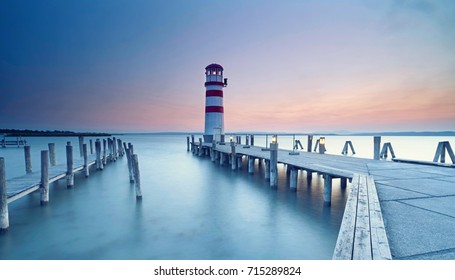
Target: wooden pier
(17,142)
(363,232)
(15,188)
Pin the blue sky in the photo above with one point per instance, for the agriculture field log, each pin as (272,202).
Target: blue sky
(297,66)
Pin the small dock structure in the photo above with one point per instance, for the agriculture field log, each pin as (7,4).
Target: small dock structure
(51,171)
(7,141)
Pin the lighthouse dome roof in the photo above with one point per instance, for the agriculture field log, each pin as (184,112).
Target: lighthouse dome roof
(214,65)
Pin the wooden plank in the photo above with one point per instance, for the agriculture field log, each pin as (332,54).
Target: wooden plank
(362,235)
(379,242)
(345,241)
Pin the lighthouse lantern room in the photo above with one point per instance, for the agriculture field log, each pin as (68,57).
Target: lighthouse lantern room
(214,110)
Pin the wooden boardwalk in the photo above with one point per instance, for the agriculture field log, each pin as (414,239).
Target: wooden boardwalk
(371,227)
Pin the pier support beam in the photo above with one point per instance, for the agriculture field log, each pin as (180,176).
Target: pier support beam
(377,147)
(250,165)
(343,182)
(239,162)
(85,154)
(130,164)
(201,152)
(120,148)
(267,170)
(137,177)
(293,179)
(52,155)
(221,158)
(91,146)
(81,141)
(44,177)
(114,148)
(4,216)
(327,189)
(309,175)
(28,160)
(187,143)
(99,162)
(104,152)
(233,157)
(69,165)
(310,143)
(274,165)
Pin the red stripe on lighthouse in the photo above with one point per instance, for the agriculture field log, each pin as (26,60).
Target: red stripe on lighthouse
(214,109)
(214,84)
(214,92)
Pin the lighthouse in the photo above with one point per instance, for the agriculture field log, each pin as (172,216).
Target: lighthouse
(214,110)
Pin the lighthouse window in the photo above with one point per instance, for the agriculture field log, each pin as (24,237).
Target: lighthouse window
(214,72)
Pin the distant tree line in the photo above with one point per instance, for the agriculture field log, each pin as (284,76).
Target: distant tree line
(28,132)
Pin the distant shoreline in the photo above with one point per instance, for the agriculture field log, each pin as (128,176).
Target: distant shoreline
(42,133)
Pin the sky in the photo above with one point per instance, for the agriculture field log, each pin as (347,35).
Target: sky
(293,66)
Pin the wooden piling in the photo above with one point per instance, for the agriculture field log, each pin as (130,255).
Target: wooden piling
(267,170)
(114,148)
(44,177)
(28,159)
(377,147)
(200,148)
(130,164)
(52,155)
(239,162)
(81,141)
(233,157)
(69,165)
(120,147)
(250,165)
(85,155)
(187,143)
(293,179)
(343,182)
(310,143)
(4,215)
(91,146)
(252,140)
(309,175)
(104,152)
(274,165)
(221,158)
(193,148)
(99,162)
(327,189)
(131,147)
(137,176)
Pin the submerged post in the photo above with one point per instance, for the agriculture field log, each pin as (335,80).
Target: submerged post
(91,146)
(293,179)
(84,152)
(274,164)
(104,152)
(130,164)
(44,177)
(221,158)
(99,162)
(69,165)
(377,147)
(114,148)
(327,189)
(187,143)
(28,160)
(52,156)
(250,165)
(81,141)
(239,162)
(252,140)
(120,148)
(137,177)
(267,170)
(233,157)
(4,216)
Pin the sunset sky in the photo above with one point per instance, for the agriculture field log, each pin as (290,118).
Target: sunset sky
(293,66)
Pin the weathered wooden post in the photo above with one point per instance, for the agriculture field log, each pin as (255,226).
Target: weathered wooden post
(239,162)
(187,143)
(109,148)
(131,147)
(293,179)
(81,141)
(252,140)
(114,148)
(91,146)
(4,216)
(99,162)
(310,143)
(274,163)
(52,155)
(327,189)
(201,152)
(137,177)
(377,147)
(343,182)
(104,152)
(44,177)
(130,164)
(69,165)
(28,160)
(221,158)
(233,156)
(85,154)
(250,165)
(119,147)
(267,170)
(193,148)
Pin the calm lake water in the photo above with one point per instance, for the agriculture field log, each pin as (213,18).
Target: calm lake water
(191,207)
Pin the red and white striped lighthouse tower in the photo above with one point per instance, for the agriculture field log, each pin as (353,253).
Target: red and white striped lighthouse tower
(214,110)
